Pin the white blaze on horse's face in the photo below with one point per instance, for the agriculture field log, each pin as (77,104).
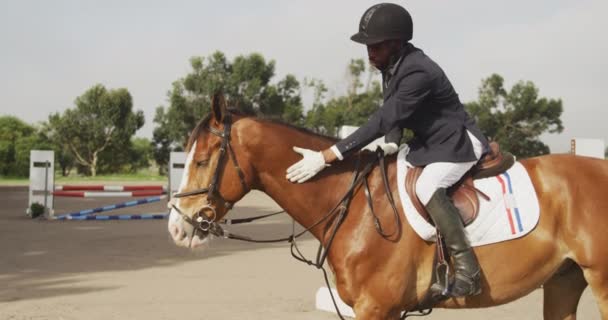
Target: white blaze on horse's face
(182,232)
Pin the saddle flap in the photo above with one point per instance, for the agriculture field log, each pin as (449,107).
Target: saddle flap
(465,198)
(410,186)
(463,194)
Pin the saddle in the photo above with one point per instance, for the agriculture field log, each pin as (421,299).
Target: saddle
(463,193)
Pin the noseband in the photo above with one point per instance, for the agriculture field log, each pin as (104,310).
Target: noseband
(203,222)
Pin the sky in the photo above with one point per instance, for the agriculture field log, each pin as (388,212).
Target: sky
(53,51)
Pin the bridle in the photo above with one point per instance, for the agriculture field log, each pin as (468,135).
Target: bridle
(201,221)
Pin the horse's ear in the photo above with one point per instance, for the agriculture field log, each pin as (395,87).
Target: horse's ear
(218,107)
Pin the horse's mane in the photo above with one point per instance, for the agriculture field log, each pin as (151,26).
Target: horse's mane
(300,129)
(204,123)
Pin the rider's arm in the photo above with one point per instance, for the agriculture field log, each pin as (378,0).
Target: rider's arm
(413,88)
(394,136)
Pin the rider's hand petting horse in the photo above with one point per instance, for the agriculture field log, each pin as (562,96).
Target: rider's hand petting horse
(417,96)
(542,222)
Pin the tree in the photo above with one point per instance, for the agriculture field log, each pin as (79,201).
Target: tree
(517,118)
(126,158)
(63,156)
(135,155)
(245,81)
(356,67)
(102,120)
(17,138)
(140,154)
(15,135)
(283,101)
(11,130)
(354,108)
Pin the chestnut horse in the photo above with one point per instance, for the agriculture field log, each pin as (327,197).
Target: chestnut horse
(379,278)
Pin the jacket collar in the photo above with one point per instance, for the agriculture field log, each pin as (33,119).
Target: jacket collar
(393,67)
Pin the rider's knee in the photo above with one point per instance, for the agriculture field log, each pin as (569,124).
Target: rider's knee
(425,188)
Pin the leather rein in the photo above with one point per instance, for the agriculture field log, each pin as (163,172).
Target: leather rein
(337,215)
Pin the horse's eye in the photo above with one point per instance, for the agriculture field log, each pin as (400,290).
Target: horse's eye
(202,163)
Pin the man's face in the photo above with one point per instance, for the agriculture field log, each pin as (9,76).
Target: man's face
(379,54)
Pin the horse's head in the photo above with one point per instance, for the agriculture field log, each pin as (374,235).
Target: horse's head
(212,179)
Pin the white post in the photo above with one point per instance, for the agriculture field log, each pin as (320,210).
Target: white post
(42,181)
(177,162)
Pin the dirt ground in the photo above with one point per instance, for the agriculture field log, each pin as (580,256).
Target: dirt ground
(132,270)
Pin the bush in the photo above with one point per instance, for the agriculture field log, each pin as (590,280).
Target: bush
(36,209)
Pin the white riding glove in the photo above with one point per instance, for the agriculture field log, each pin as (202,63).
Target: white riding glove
(312,163)
(389,148)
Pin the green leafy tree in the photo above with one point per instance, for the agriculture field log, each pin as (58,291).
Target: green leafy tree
(126,158)
(283,101)
(517,118)
(11,131)
(17,138)
(245,81)
(102,120)
(356,68)
(140,154)
(63,155)
(354,108)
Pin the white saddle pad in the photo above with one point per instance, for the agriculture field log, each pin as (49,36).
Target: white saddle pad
(512,212)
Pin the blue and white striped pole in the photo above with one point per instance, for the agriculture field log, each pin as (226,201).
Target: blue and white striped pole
(88,212)
(150,216)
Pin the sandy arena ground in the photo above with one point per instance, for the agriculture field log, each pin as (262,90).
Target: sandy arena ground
(131,270)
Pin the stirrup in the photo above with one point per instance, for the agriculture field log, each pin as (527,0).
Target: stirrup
(441,287)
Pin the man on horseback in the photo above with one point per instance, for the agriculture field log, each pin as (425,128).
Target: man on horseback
(418,96)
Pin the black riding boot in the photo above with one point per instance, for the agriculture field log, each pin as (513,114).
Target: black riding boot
(447,220)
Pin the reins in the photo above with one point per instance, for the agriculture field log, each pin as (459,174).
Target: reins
(340,211)
(204,223)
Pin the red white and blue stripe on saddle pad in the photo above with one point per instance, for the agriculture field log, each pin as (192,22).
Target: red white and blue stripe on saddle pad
(512,212)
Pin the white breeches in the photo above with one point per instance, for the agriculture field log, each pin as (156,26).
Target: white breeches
(444,174)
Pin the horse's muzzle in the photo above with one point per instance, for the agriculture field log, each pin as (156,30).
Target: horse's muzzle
(183,233)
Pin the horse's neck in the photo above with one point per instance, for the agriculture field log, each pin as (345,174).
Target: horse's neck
(306,202)
(269,148)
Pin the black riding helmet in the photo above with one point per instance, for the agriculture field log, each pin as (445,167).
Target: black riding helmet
(384,21)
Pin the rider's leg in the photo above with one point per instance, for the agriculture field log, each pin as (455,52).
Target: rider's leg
(431,190)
